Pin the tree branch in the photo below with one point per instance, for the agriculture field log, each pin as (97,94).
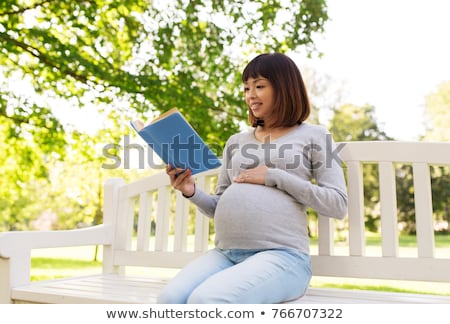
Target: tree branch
(42,57)
(22,10)
(16,119)
(33,6)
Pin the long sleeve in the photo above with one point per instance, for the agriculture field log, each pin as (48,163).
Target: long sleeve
(206,202)
(328,196)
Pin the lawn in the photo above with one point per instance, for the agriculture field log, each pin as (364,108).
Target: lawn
(58,263)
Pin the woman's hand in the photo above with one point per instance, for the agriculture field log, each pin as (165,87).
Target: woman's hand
(182,180)
(256,175)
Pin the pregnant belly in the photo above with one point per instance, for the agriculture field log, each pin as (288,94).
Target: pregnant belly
(255,212)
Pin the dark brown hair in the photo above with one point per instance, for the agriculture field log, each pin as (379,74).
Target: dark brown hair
(291,98)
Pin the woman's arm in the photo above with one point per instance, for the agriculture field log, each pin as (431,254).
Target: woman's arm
(328,195)
(185,182)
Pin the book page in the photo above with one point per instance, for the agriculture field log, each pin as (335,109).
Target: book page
(137,124)
(164,115)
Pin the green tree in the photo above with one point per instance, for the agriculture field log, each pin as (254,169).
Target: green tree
(437,122)
(132,57)
(157,55)
(440,187)
(437,114)
(356,123)
(29,136)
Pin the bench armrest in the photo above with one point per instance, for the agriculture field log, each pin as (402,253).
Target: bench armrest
(13,243)
(15,251)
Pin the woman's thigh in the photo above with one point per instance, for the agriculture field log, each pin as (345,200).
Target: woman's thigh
(181,286)
(270,276)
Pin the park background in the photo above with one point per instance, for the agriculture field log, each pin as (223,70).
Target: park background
(73,75)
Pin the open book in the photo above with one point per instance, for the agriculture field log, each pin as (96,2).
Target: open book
(176,142)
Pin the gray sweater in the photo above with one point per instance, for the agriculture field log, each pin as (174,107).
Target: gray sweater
(304,171)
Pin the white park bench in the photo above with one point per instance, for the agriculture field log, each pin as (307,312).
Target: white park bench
(131,208)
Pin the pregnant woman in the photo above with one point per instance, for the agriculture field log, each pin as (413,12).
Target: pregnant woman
(270,175)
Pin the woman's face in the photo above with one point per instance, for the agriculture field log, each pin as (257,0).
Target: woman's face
(260,97)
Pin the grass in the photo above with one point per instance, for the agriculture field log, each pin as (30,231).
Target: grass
(44,268)
(58,263)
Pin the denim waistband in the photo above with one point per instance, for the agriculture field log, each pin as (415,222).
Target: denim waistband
(239,255)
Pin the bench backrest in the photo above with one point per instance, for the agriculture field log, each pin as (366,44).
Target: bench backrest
(152,220)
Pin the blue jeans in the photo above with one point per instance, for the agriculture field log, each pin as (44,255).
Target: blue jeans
(240,277)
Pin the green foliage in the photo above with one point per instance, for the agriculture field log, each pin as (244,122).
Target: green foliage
(29,135)
(355,123)
(158,55)
(437,114)
(437,119)
(123,58)
(58,264)
(46,268)
(440,188)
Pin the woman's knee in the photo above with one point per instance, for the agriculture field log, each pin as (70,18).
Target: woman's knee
(170,296)
(200,296)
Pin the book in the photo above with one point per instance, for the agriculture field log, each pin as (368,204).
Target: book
(176,142)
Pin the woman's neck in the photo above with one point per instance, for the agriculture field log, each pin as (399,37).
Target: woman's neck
(261,132)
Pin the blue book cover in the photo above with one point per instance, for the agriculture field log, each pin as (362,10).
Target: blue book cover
(176,142)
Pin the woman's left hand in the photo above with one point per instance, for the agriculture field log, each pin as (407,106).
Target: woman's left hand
(256,175)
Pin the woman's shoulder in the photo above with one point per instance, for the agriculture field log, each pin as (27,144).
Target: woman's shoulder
(313,129)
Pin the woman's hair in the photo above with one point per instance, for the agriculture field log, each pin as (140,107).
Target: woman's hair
(291,98)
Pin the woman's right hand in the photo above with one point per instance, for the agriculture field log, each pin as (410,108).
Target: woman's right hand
(182,180)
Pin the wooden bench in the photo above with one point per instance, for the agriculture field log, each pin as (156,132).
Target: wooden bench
(133,211)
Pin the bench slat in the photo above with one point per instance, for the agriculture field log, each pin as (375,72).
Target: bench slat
(93,289)
(181,222)
(424,210)
(144,221)
(356,208)
(162,219)
(326,235)
(202,222)
(341,296)
(388,202)
(398,268)
(124,225)
(163,259)
(400,151)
